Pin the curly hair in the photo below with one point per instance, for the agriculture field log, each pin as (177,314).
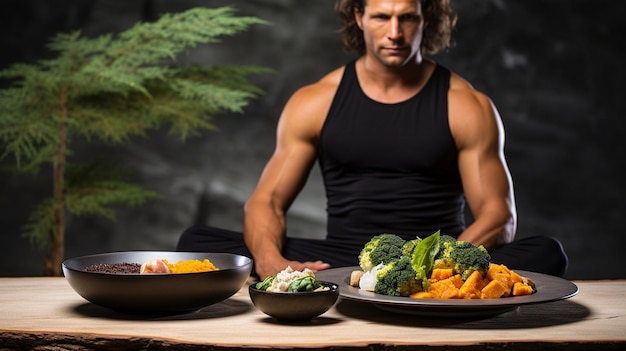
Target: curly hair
(438,14)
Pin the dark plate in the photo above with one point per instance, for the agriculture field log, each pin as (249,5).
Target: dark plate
(549,288)
(157,293)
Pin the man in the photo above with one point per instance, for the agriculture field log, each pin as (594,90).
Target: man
(403,145)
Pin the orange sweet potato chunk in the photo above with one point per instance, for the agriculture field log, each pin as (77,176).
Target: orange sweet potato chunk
(516,278)
(495,269)
(502,274)
(520,288)
(494,289)
(472,286)
(457,280)
(444,289)
(440,274)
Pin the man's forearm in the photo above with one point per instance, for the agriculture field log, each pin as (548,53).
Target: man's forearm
(264,235)
(491,231)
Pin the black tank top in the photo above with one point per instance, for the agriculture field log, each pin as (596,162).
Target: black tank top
(390,168)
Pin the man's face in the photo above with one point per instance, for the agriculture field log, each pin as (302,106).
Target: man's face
(392,30)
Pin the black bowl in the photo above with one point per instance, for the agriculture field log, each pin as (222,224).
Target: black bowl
(294,306)
(157,293)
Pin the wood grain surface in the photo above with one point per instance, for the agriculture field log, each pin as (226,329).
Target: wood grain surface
(46,312)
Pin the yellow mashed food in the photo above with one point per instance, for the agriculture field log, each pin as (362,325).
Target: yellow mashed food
(191,266)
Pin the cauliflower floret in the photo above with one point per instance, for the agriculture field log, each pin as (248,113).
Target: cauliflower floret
(286,276)
(368,279)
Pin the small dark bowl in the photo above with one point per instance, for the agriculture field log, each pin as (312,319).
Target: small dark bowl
(157,293)
(294,306)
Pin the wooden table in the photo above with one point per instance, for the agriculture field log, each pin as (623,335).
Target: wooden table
(46,314)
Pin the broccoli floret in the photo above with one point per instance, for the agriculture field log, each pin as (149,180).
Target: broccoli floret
(398,278)
(462,256)
(382,248)
(444,241)
(409,247)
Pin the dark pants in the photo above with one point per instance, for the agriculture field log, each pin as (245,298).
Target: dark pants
(536,254)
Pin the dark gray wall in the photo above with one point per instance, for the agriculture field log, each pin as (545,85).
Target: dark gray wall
(554,68)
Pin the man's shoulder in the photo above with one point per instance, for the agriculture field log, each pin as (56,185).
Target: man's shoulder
(329,81)
(470,111)
(460,84)
(322,90)
(310,104)
(463,91)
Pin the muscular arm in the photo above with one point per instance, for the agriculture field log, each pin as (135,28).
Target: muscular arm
(479,135)
(284,176)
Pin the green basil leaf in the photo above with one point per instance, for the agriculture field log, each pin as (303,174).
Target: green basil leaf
(424,255)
